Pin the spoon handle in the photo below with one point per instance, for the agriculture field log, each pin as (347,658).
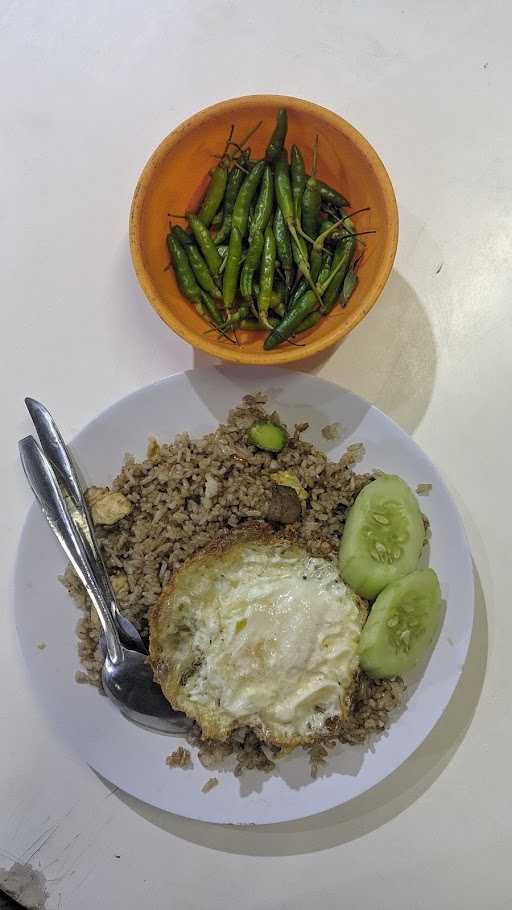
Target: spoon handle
(45,486)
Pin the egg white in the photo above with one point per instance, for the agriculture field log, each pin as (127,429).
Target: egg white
(258,633)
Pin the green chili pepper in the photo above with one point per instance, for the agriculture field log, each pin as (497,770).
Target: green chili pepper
(337,235)
(350,283)
(298,177)
(252,261)
(184,238)
(200,270)
(268,264)
(315,263)
(340,264)
(264,204)
(332,196)
(329,221)
(211,307)
(276,301)
(309,322)
(298,292)
(349,225)
(302,287)
(293,319)
(311,208)
(319,258)
(218,218)
(214,195)
(284,247)
(205,243)
(311,200)
(184,274)
(236,317)
(278,308)
(233,262)
(245,196)
(235,180)
(283,188)
(278,137)
(326,267)
(285,202)
(300,252)
(331,230)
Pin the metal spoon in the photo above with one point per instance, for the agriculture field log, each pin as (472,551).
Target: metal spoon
(57,453)
(126,675)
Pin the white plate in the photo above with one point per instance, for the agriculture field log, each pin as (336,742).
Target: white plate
(134,759)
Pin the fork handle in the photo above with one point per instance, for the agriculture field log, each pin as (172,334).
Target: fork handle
(54,447)
(59,457)
(45,486)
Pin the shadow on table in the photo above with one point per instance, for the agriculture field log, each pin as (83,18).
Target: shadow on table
(371,810)
(389,359)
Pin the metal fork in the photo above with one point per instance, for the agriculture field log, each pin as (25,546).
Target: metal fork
(61,461)
(127,675)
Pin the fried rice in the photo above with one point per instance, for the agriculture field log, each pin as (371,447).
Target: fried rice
(181,498)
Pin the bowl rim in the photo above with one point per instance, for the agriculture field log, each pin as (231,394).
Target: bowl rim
(232,353)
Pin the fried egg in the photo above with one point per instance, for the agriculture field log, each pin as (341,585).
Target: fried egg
(256,632)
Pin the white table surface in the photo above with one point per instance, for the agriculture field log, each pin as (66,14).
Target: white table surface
(88,90)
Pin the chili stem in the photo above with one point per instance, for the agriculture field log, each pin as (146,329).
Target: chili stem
(304,265)
(251,133)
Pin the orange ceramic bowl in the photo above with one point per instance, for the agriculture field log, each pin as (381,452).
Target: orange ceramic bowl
(175,178)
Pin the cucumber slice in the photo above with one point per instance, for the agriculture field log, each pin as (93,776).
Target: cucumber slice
(402,625)
(267,436)
(383,536)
